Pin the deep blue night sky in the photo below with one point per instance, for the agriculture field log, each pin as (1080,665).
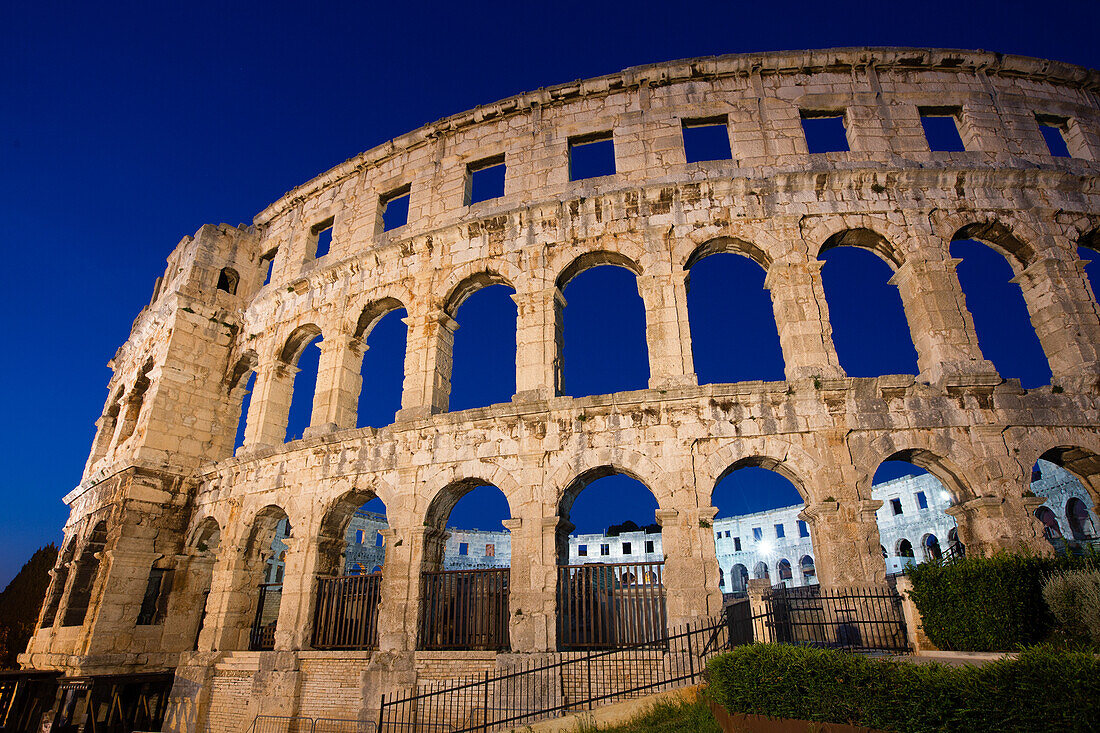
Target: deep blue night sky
(127,126)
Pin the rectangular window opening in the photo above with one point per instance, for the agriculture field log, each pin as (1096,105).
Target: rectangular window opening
(649,547)
(463,548)
(727,533)
(922,500)
(485,180)
(706,139)
(1054,133)
(780,533)
(322,236)
(591,156)
(605,550)
(358,536)
(267,264)
(757,533)
(490,550)
(941,129)
(627,549)
(395,208)
(895,504)
(737,544)
(803,529)
(824,130)
(154,603)
(582,550)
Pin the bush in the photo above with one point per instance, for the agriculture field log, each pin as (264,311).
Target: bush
(1073,597)
(987,604)
(1043,689)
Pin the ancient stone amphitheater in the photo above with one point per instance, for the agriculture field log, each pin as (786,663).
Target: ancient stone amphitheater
(169,531)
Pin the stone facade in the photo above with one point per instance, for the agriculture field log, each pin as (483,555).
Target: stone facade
(164,494)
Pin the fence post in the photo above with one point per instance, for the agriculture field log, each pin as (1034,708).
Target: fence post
(485,715)
(691,653)
(381,710)
(588,666)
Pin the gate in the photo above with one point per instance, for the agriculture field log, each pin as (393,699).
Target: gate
(465,609)
(608,606)
(346,615)
(270,599)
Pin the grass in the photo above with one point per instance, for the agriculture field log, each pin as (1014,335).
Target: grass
(667,717)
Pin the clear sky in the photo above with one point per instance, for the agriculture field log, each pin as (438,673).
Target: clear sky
(126,126)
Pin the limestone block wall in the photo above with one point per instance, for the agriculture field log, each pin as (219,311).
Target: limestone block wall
(164,474)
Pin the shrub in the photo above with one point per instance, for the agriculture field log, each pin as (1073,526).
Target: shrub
(987,604)
(1043,689)
(1073,597)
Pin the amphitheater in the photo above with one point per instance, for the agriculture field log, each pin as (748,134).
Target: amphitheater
(170,526)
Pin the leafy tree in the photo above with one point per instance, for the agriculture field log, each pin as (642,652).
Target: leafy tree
(20,603)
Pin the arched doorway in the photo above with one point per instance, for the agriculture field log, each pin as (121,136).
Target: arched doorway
(1051,530)
(914,504)
(253,614)
(809,572)
(760,572)
(1079,519)
(739,580)
(611,590)
(930,546)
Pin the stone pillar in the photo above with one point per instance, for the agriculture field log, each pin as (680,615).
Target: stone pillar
(339,382)
(408,551)
(295,609)
(802,319)
(533,583)
(232,588)
(939,323)
(428,354)
(758,608)
(991,523)
(846,542)
(690,573)
(668,335)
(269,410)
(1064,315)
(914,625)
(538,343)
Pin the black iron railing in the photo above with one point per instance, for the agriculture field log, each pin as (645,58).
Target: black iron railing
(268,602)
(302,724)
(610,606)
(854,619)
(465,609)
(346,613)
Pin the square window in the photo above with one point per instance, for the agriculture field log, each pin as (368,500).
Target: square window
(649,546)
(490,550)
(395,208)
(463,548)
(737,544)
(582,550)
(780,533)
(706,139)
(922,500)
(1054,133)
(941,129)
(605,550)
(824,131)
(626,549)
(803,529)
(485,180)
(322,237)
(727,533)
(591,156)
(895,504)
(757,533)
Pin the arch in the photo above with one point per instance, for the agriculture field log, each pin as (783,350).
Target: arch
(760,571)
(228,280)
(783,568)
(206,537)
(263,524)
(245,364)
(903,548)
(58,583)
(1082,462)
(1051,529)
(1001,237)
(445,499)
(863,238)
(739,578)
(944,470)
(134,401)
(85,573)
(299,338)
(770,464)
(809,570)
(727,245)
(595,258)
(470,283)
(569,480)
(1080,522)
(371,314)
(930,547)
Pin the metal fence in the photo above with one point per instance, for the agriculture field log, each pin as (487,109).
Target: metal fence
(465,609)
(346,615)
(610,606)
(262,637)
(301,724)
(536,689)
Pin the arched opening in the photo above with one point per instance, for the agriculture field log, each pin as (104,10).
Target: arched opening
(303,351)
(57,585)
(1080,520)
(1001,317)
(84,576)
(227,280)
(384,334)
(914,504)
(604,327)
(202,552)
(864,307)
(466,568)
(107,426)
(484,371)
(733,333)
(785,573)
(611,590)
(739,580)
(1089,254)
(758,522)
(347,598)
(241,381)
(1068,512)
(760,572)
(1051,529)
(134,401)
(253,614)
(809,572)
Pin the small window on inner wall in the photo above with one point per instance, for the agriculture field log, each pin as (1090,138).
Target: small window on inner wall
(895,505)
(757,533)
(267,264)
(941,128)
(358,536)
(824,130)
(490,550)
(605,550)
(1054,133)
(154,603)
(228,279)
(727,533)
(463,548)
(922,500)
(582,550)
(780,533)
(379,540)
(485,180)
(626,549)
(395,208)
(649,547)
(591,156)
(737,544)
(706,139)
(803,529)
(322,237)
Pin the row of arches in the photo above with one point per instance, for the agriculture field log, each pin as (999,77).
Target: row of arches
(605,332)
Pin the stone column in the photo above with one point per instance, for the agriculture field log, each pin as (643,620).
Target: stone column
(269,410)
(538,343)
(533,583)
(430,347)
(232,588)
(991,523)
(939,323)
(846,542)
(1064,315)
(667,333)
(690,577)
(758,608)
(339,382)
(802,319)
(409,550)
(296,604)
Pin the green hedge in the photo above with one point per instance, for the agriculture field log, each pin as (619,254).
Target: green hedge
(1041,690)
(987,603)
